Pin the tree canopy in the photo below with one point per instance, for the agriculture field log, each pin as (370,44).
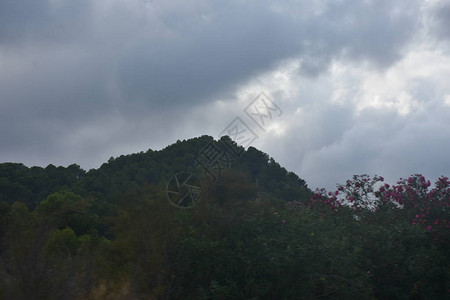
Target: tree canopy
(256,232)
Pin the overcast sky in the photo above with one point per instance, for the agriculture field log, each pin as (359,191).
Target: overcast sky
(364,86)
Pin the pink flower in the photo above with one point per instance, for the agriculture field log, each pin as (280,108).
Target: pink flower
(429,228)
(283,221)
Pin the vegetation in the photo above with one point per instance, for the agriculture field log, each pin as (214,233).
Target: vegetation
(257,232)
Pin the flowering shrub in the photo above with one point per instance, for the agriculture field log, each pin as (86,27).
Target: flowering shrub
(357,194)
(431,206)
(426,206)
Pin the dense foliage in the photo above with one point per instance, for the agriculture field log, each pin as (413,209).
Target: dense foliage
(257,232)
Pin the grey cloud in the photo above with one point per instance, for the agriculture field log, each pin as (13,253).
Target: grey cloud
(389,146)
(328,143)
(238,42)
(377,142)
(376,31)
(41,21)
(86,79)
(241,40)
(440,15)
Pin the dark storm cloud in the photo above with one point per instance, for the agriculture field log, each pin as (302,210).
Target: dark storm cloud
(243,39)
(216,47)
(240,41)
(88,76)
(373,30)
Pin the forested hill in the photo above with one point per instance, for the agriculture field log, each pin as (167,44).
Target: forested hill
(256,231)
(235,168)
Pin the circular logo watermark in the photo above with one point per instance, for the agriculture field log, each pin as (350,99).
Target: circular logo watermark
(183,190)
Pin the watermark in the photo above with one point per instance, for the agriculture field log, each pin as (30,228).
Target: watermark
(215,158)
(240,133)
(262,110)
(183,190)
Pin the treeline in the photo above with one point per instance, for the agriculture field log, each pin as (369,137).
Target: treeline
(113,179)
(257,232)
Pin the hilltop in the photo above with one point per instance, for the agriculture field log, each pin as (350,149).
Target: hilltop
(121,174)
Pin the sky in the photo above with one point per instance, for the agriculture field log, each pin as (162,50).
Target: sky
(360,86)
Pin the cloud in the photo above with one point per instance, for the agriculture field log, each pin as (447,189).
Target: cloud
(42,21)
(392,123)
(439,13)
(82,81)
